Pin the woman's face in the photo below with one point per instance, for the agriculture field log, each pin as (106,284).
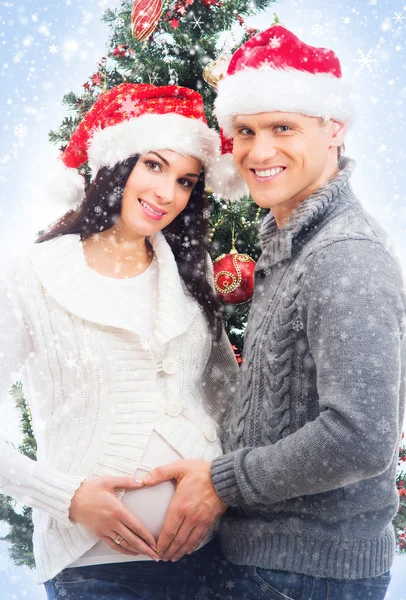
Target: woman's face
(157,190)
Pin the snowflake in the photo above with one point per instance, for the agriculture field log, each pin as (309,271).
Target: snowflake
(128,105)
(317,15)
(347,20)
(71,362)
(383,148)
(17,58)
(317,30)
(373,2)
(230,584)
(383,426)
(97,210)
(206,213)
(297,324)
(197,22)
(402,93)
(118,192)
(53,49)
(275,42)
(119,22)
(364,60)
(398,18)
(20,130)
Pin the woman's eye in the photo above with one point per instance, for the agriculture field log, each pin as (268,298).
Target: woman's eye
(154,166)
(185,183)
(282,128)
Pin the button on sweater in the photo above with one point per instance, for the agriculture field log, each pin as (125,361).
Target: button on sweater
(311,441)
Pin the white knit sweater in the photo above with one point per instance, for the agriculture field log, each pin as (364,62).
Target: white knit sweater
(96,389)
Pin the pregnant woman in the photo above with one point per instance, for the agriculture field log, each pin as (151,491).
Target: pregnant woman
(113,317)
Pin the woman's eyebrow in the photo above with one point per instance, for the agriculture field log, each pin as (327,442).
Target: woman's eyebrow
(160,157)
(168,165)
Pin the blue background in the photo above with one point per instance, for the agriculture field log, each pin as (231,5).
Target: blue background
(49,48)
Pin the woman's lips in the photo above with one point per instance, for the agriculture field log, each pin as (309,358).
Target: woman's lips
(151,211)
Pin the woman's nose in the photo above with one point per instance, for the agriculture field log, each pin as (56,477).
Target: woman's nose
(166,191)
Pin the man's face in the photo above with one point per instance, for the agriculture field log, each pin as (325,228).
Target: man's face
(284,157)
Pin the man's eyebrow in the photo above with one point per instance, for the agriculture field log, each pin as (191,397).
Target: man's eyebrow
(271,123)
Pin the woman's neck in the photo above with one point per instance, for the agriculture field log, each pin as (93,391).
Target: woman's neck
(118,253)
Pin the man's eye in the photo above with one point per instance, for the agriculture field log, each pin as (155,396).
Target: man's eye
(154,166)
(246,131)
(282,128)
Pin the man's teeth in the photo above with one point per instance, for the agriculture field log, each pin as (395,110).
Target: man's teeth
(151,210)
(268,172)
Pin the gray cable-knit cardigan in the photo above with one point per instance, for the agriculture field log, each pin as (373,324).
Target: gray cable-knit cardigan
(312,438)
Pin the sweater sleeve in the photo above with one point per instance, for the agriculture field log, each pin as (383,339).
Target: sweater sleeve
(25,480)
(353,313)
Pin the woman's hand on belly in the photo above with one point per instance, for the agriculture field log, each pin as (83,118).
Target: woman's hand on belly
(96,507)
(194,509)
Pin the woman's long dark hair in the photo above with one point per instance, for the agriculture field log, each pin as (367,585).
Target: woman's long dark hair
(186,235)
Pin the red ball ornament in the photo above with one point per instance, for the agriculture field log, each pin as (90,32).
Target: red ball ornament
(145,17)
(234,277)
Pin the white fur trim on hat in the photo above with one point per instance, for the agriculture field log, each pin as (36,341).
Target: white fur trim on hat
(190,137)
(226,181)
(64,185)
(252,91)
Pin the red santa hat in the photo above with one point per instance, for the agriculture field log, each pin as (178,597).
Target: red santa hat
(276,71)
(134,119)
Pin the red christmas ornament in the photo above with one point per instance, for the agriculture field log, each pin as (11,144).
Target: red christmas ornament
(234,277)
(145,17)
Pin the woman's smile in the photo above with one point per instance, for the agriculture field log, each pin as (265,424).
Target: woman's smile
(151,211)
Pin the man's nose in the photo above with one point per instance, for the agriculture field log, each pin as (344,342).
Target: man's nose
(263,149)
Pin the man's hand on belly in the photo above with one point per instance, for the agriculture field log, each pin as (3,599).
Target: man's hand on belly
(194,509)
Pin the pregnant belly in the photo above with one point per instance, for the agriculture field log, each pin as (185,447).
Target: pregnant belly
(149,505)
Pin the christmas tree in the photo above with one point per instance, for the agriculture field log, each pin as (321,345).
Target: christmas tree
(186,43)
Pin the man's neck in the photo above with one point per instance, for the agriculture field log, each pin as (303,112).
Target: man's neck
(283,213)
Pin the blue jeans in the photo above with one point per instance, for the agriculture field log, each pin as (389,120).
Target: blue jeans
(205,575)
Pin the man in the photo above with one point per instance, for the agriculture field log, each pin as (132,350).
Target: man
(311,440)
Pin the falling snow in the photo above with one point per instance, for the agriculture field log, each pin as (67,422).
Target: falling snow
(49,48)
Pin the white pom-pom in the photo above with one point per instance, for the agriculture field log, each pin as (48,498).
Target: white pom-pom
(224,179)
(65,186)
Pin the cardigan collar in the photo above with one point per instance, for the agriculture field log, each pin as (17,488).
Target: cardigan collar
(61,266)
(277,243)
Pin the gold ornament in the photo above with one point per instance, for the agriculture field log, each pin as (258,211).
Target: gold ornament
(216,70)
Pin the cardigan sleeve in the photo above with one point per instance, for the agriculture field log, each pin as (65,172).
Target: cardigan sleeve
(25,480)
(220,378)
(221,371)
(353,308)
